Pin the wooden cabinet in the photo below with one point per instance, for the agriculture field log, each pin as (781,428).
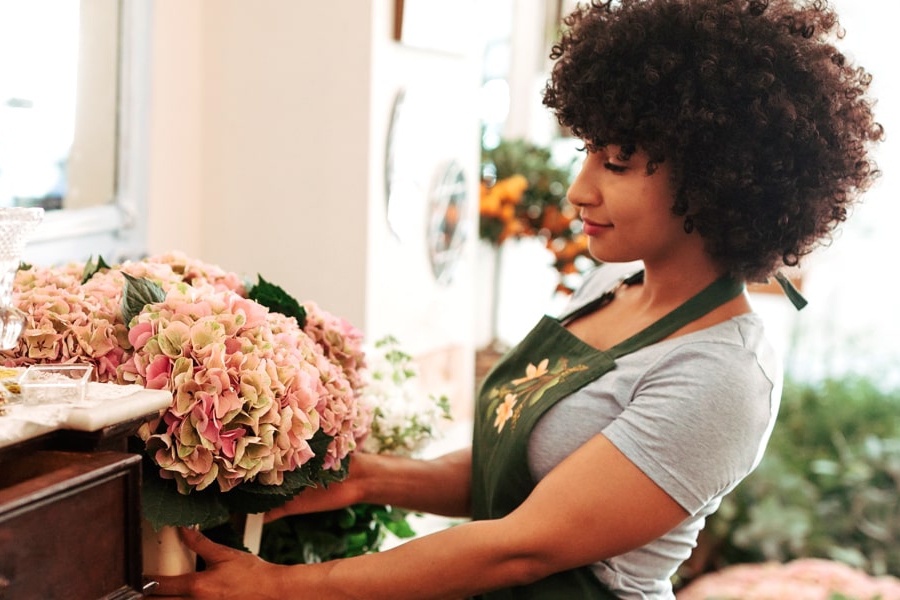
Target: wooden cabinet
(70,525)
(70,496)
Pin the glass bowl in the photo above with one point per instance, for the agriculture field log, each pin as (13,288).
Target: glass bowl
(55,384)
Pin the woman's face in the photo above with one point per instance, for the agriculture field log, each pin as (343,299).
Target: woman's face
(627,214)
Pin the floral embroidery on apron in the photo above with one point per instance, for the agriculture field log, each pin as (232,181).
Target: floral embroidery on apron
(506,402)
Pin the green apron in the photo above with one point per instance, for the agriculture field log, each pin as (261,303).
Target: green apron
(548,365)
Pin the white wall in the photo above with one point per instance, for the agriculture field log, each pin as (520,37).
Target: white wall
(175,199)
(851,323)
(267,148)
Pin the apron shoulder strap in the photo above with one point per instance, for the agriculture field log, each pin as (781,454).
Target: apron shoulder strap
(712,296)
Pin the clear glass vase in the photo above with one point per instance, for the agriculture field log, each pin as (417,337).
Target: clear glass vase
(16,225)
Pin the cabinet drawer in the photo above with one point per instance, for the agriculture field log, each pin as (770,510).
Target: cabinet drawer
(69,526)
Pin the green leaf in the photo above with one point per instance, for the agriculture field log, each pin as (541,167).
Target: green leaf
(162,504)
(395,521)
(252,497)
(357,529)
(137,294)
(346,518)
(312,469)
(91,267)
(242,499)
(277,300)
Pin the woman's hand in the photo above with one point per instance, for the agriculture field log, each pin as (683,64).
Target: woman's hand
(229,573)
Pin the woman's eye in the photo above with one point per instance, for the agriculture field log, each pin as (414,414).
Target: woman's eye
(615,168)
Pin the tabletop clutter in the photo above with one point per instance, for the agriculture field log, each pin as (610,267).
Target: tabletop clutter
(41,398)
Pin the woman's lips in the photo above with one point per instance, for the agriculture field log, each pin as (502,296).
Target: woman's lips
(592,228)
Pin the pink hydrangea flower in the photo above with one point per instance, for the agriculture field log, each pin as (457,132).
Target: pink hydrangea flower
(66,322)
(196,272)
(339,340)
(249,388)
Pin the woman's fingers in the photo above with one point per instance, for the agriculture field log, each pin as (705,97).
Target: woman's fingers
(177,586)
(203,546)
(225,568)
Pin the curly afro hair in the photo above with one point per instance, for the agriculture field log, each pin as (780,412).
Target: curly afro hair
(766,125)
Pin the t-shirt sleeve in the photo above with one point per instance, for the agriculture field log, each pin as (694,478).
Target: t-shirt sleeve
(697,431)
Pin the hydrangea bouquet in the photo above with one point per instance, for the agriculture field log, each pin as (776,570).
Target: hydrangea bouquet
(266,391)
(405,420)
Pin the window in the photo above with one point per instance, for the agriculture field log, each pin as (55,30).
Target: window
(73,82)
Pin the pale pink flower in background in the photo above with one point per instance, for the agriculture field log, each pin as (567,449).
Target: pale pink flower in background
(802,579)
(162,274)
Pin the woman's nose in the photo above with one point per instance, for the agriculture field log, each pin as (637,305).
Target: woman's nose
(580,193)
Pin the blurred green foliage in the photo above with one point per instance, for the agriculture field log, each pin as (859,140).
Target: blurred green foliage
(827,487)
(318,537)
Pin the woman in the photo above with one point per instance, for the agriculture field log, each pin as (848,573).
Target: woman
(722,137)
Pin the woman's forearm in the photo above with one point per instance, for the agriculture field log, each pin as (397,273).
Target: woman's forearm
(440,486)
(455,563)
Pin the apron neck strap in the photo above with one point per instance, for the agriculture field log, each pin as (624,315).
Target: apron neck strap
(712,296)
(792,293)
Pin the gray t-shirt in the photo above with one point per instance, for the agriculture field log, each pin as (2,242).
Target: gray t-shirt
(694,413)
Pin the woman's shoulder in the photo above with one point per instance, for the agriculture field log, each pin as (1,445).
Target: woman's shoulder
(739,344)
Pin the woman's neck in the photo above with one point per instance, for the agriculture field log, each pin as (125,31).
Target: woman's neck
(669,283)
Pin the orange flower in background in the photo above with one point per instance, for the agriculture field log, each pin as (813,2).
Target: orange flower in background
(557,221)
(524,195)
(498,203)
(499,200)
(489,202)
(513,187)
(512,228)
(567,253)
(570,249)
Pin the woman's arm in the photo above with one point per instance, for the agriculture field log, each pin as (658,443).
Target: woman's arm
(440,486)
(594,505)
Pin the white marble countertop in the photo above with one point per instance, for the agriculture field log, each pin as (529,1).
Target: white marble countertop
(105,404)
